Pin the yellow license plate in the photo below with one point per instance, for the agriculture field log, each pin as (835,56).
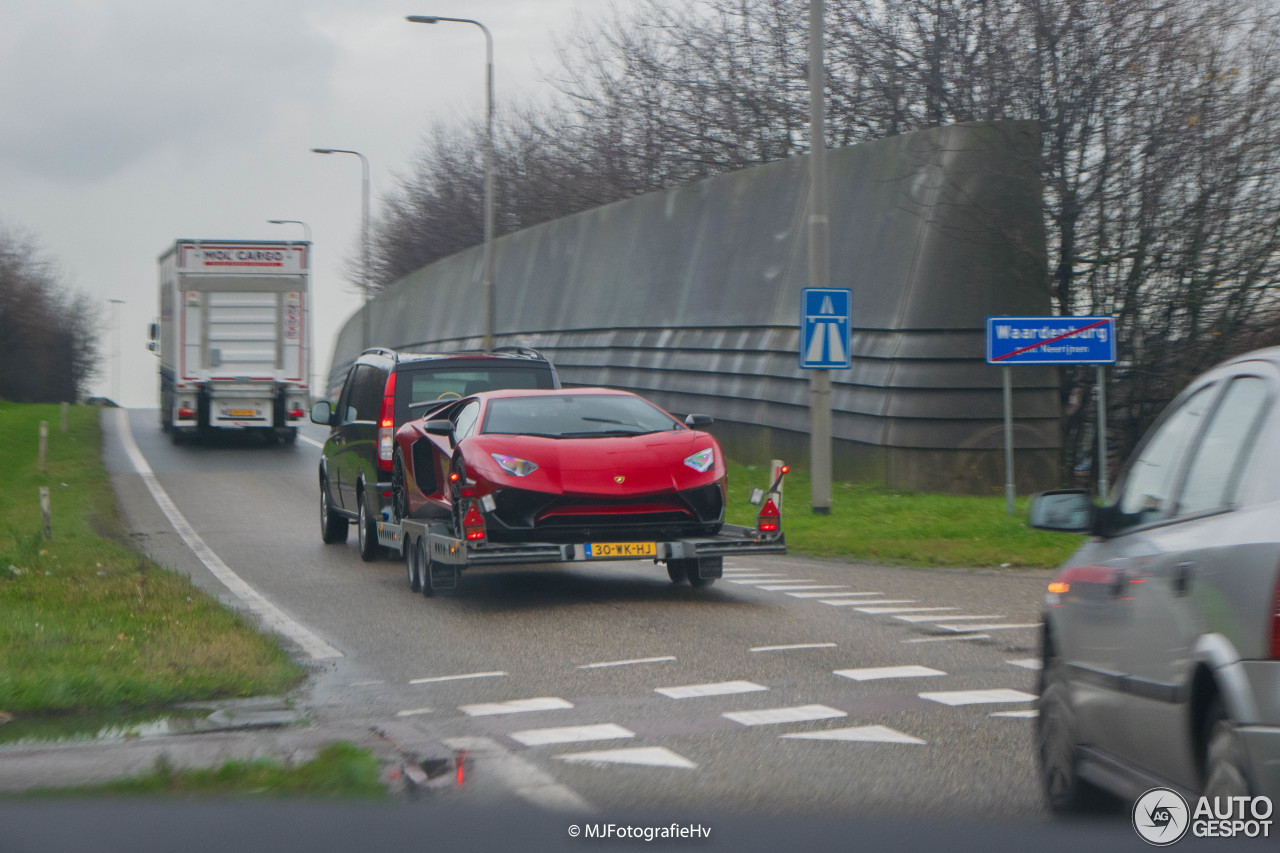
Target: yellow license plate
(244,413)
(620,549)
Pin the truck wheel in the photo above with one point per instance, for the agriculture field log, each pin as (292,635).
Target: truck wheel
(367,529)
(412,561)
(333,527)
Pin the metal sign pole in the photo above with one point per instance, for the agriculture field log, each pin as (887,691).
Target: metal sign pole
(819,265)
(1102,434)
(1008,438)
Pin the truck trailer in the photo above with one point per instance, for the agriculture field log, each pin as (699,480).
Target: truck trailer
(232,337)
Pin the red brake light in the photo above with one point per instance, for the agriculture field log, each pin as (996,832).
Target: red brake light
(186,414)
(473,525)
(387,424)
(769,520)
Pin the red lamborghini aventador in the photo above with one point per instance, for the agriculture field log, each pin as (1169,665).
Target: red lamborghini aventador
(559,465)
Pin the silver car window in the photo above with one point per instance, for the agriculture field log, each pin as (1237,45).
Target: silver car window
(466,421)
(1215,470)
(1148,486)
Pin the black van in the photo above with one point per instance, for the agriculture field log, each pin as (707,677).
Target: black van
(379,395)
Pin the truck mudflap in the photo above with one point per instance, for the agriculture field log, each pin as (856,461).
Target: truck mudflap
(444,547)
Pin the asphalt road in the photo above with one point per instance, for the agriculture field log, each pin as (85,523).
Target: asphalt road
(794,689)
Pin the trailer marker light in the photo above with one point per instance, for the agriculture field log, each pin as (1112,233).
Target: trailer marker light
(473,525)
(769,520)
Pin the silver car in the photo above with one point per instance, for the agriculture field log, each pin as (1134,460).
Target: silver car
(1161,644)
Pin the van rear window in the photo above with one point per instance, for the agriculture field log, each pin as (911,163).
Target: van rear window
(450,382)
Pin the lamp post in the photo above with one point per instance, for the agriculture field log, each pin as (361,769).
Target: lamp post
(115,359)
(487,264)
(364,236)
(306,235)
(819,264)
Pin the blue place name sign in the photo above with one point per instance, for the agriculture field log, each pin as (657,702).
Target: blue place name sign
(1051,340)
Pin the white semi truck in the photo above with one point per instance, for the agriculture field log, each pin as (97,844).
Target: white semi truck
(233,337)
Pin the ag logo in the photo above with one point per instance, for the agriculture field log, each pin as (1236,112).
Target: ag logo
(1161,816)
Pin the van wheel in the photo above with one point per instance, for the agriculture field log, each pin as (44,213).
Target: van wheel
(1226,773)
(333,527)
(367,527)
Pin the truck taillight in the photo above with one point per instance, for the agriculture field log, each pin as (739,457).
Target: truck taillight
(387,425)
(473,525)
(769,520)
(296,413)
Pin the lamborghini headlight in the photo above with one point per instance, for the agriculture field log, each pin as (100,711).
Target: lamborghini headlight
(513,466)
(702,460)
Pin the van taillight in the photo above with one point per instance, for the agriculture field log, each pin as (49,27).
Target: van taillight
(387,425)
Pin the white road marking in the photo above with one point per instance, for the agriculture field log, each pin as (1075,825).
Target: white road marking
(456,678)
(648,756)
(978,697)
(793,714)
(366,683)
(571,734)
(878,672)
(311,441)
(956,639)
(757,582)
(794,646)
(1026,663)
(1006,626)
(862,595)
(626,662)
(791,587)
(515,706)
(718,688)
(847,602)
(272,617)
(748,574)
(873,609)
(519,776)
(434,678)
(413,712)
(1025,715)
(868,734)
(944,618)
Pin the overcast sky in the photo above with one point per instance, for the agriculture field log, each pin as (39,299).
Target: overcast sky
(127,124)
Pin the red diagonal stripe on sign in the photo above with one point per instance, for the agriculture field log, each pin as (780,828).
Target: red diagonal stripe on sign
(1050,340)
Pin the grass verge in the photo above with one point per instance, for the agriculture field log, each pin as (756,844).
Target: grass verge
(879,525)
(86,623)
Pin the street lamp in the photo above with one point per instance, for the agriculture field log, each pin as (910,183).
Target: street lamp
(487,263)
(115,321)
(311,342)
(364,234)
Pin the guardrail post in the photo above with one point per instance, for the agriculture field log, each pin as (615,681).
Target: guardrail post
(65,406)
(46,512)
(44,446)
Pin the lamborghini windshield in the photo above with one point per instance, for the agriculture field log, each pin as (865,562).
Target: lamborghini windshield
(576,416)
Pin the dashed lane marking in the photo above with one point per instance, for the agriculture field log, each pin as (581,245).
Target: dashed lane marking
(1026,663)
(878,672)
(944,618)
(1004,626)
(717,688)
(862,595)
(844,602)
(958,638)
(793,714)
(648,756)
(791,586)
(413,712)
(571,734)
(874,609)
(436,678)
(758,582)
(608,663)
(515,706)
(978,697)
(866,734)
(794,646)
(1023,715)
(311,441)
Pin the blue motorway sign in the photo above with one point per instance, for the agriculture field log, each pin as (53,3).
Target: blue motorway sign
(826,313)
(1051,340)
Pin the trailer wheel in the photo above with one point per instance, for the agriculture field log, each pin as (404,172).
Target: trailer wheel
(399,493)
(424,568)
(705,571)
(412,561)
(678,571)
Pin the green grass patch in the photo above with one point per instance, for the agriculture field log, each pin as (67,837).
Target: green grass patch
(86,623)
(338,770)
(874,524)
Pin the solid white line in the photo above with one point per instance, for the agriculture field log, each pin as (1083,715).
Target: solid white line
(794,714)
(271,616)
(604,664)
(878,672)
(436,678)
(311,441)
(515,706)
(796,646)
(718,688)
(571,734)
(413,712)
